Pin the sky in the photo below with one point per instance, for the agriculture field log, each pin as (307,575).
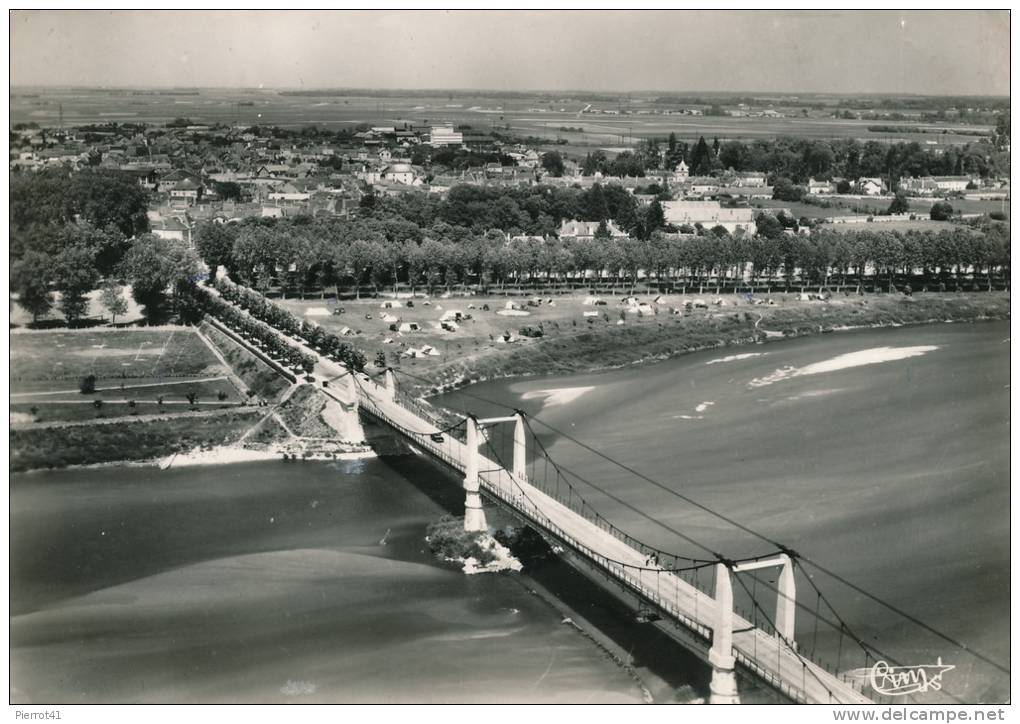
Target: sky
(922,52)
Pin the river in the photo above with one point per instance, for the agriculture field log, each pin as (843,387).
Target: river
(310,582)
(893,474)
(272,582)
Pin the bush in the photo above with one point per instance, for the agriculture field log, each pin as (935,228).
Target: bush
(997,216)
(87,384)
(940,211)
(448,539)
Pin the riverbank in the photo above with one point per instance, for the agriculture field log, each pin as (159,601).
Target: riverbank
(733,323)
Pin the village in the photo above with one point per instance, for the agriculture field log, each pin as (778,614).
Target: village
(198,173)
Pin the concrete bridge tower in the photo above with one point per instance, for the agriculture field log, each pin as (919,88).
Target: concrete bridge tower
(474,515)
(724,679)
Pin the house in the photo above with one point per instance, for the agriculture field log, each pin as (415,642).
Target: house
(171,228)
(574,229)
(923,186)
(952,183)
(187,190)
(750,178)
(709,214)
(702,186)
(681,172)
(820,187)
(870,186)
(400,173)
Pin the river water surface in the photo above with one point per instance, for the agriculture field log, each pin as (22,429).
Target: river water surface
(882,454)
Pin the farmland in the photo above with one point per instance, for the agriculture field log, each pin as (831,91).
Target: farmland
(540,116)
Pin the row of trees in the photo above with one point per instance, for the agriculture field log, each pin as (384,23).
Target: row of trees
(801,158)
(159,270)
(299,257)
(200,301)
(280,319)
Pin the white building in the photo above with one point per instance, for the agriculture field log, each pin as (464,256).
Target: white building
(708,214)
(445,136)
(586,229)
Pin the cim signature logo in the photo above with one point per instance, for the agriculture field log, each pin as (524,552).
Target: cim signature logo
(903,680)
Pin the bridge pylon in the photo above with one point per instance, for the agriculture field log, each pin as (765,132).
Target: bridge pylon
(474,514)
(520,448)
(723,686)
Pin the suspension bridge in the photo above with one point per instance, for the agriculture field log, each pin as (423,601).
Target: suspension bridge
(692,596)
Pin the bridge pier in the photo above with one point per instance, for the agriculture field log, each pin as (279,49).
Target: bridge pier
(520,448)
(474,514)
(723,686)
(786,601)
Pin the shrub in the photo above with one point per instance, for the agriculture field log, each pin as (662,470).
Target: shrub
(940,211)
(448,539)
(997,216)
(87,384)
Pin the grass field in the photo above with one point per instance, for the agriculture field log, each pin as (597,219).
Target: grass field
(111,355)
(260,378)
(135,440)
(129,365)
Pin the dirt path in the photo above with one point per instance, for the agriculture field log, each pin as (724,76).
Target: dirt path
(116,420)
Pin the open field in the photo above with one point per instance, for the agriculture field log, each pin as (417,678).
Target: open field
(573,342)
(922,223)
(120,354)
(538,116)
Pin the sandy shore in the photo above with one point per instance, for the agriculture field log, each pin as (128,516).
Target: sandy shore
(229,454)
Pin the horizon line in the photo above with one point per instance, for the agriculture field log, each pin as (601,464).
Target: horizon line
(536,91)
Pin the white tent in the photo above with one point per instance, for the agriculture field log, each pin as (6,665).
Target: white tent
(389,318)
(409,327)
(389,305)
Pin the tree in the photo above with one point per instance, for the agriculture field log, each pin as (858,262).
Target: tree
(701,159)
(655,218)
(75,275)
(30,281)
(215,244)
(899,204)
(785,190)
(941,211)
(602,232)
(768,226)
(156,267)
(553,163)
(112,298)
(87,385)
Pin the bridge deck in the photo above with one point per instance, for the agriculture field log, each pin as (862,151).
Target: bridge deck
(760,652)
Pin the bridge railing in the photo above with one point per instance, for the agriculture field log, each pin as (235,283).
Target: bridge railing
(651,584)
